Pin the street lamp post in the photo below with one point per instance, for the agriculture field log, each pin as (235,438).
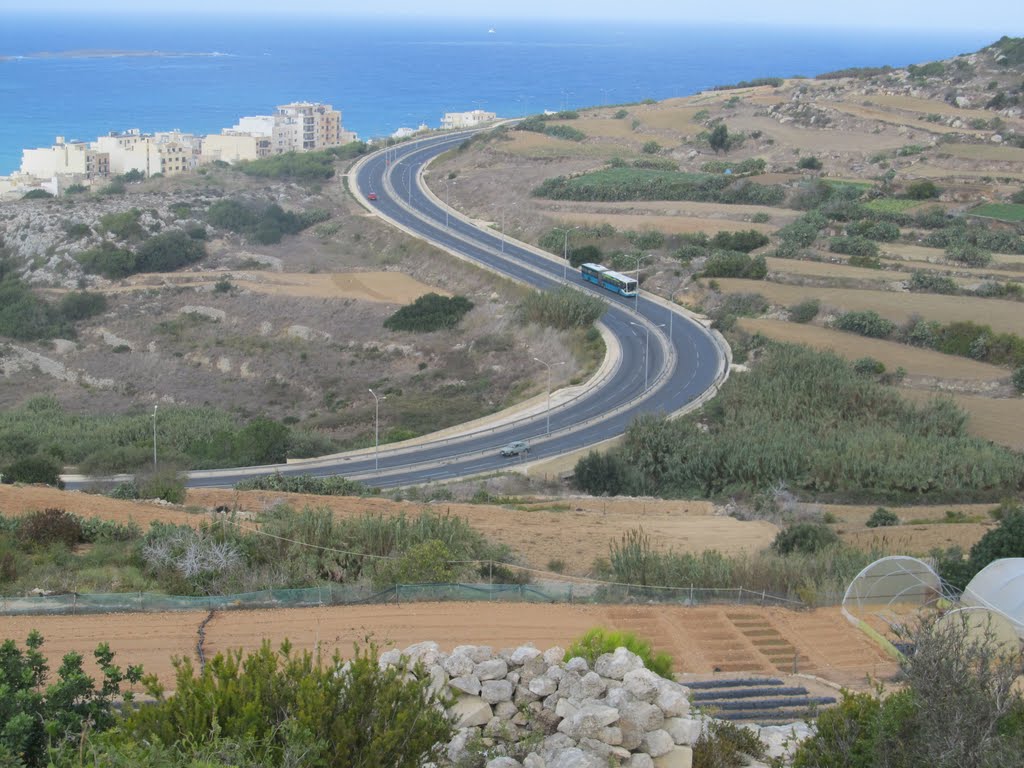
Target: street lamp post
(376,428)
(565,251)
(647,348)
(447,197)
(637,259)
(547,429)
(154,436)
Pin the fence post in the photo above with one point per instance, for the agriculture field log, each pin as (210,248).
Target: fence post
(570,593)
(762,598)
(691,593)
(74,603)
(398,594)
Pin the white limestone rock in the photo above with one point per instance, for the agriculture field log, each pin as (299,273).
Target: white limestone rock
(542,686)
(458,665)
(523,654)
(504,762)
(574,757)
(469,711)
(554,655)
(657,743)
(640,760)
(578,665)
(467,684)
(494,691)
(684,730)
(492,669)
(616,665)
(642,683)
(588,720)
(680,757)
(673,699)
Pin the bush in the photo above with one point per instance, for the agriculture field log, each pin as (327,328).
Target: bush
(809,163)
(80,305)
(923,189)
(318,486)
(745,241)
(853,246)
(866,323)
(1018,378)
(563,308)
(598,641)
(165,484)
(108,260)
(651,148)
(868,366)
(735,264)
(804,538)
(929,282)
(968,253)
(168,251)
(881,518)
(430,312)
(429,562)
(866,262)
(40,468)
(37,194)
(805,311)
(50,526)
(346,713)
(300,166)
(727,745)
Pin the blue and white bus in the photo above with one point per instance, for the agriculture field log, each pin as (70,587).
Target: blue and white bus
(606,278)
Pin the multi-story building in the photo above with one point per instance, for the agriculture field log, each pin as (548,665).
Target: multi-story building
(470,119)
(75,158)
(231,146)
(297,127)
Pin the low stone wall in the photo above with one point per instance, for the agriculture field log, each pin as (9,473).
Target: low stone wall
(523,708)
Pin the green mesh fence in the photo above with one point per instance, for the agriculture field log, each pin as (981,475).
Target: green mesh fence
(343,594)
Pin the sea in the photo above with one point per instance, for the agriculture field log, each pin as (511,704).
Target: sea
(82,76)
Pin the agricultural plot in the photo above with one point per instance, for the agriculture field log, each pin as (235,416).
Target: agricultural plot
(669,224)
(1000,420)
(919,363)
(1001,211)
(898,307)
(826,269)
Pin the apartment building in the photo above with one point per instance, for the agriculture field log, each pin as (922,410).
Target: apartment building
(471,119)
(231,146)
(64,158)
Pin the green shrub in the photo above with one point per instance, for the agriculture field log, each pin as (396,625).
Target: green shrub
(923,189)
(37,194)
(804,538)
(168,251)
(623,184)
(805,311)
(927,281)
(80,305)
(562,308)
(745,241)
(865,262)
(845,734)
(853,246)
(299,166)
(735,264)
(163,484)
(882,517)
(50,526)
(726,745)
(319,486)
(352,713)
(809,163)
(598,641)
(565,132)
(1018,378)
(968,253)
(430,312)
(885,231)
(651,147)
(40,468)
(108,260)
(866,323)
(123,225)
(429,562)
(869,366)
(620,114)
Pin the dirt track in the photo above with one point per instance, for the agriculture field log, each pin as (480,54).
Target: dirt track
(701,640)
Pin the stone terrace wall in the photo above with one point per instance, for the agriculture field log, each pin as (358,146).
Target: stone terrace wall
(530,709)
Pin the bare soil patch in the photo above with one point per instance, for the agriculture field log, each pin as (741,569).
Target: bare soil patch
(667,224)
(700,639)
(826,269)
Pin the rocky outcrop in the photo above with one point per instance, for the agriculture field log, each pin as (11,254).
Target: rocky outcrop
(524,708)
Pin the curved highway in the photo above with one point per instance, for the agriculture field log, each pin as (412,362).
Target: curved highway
(684,361)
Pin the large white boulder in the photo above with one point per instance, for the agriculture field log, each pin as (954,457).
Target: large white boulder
(616,665)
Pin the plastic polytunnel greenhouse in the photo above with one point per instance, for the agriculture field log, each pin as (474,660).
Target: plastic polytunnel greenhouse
(999,587)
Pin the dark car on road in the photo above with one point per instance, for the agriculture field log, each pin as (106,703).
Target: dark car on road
(515,448)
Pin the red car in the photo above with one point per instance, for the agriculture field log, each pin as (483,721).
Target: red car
(372,196)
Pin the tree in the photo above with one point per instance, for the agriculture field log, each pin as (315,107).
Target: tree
(719,138)
(1018,378)
(34,715)
(923,189)
(804,538)
(882,517)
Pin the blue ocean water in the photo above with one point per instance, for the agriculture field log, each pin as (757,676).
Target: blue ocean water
(383,75)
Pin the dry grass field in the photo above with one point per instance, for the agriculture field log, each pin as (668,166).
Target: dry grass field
(826,269)
(997,419)
(668,224)
(898,307)
(919,363)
